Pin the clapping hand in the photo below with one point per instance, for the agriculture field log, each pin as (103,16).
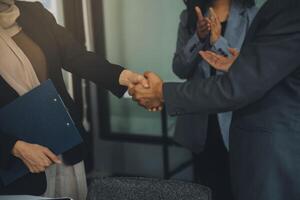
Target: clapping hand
(216,26)
(150,98)
(221,63)
(203,24)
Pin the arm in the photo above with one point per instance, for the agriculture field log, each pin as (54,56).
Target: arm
(82,63)
(263,63)
(186,57)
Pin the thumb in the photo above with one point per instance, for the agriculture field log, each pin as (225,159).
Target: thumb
(142,80)
(147,74)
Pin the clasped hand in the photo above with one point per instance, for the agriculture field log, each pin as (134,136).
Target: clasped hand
(145,89)
(150,98)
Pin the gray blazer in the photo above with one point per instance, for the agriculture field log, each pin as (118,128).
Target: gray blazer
(191,130)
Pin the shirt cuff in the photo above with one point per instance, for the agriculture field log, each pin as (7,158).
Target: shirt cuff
(221,47)
(192,48)
(170,99)
(117,89)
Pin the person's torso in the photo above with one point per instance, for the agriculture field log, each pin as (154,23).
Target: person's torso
(35,26)
(279,109)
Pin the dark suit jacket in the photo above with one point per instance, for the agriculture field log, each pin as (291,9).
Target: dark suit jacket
(263,89)
(61,51)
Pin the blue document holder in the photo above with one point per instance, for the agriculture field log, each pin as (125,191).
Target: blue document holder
(38,117)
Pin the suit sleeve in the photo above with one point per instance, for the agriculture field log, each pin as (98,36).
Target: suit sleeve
(186,56)
(265,60)
(84,64)
(6,145)
(221,47)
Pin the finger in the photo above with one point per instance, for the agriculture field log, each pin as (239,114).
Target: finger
(142,80)
(131,91)
(151,76)
(147,74)
(208,22)
(30,168)
(214,57)
(207,57)
(204,23)
(41,169)
(204,27)
(142,104)
(47,162)
(35,170)
(43,161)
(214,16)
(199,13)
(52,156)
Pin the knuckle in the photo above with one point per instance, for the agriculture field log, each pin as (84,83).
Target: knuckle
(46,149)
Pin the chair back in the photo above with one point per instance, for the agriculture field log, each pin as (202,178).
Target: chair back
(145,189)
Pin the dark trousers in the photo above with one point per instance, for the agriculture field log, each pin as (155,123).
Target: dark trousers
(212,165)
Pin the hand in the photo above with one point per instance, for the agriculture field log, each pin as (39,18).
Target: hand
(35,157)
(218,62)
(216,27)
(203,24)
(130,79)
(151,98)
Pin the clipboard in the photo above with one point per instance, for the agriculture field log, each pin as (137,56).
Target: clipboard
(38,117)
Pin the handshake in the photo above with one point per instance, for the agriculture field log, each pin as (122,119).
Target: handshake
(146,90)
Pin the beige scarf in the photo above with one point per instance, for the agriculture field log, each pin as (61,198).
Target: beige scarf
(15,67)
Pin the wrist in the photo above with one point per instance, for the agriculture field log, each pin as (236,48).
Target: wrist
(123,79)
(214,39)
(17,149)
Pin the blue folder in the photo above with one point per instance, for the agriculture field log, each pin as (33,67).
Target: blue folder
(38,117)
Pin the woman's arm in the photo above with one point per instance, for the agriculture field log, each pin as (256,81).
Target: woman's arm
(186,56)
(89,65)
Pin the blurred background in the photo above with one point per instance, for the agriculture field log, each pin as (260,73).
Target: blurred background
(139,35)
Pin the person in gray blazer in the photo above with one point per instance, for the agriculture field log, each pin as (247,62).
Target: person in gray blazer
(195,33)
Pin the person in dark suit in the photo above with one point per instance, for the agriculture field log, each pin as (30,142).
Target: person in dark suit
(35,48)
(207,135)
(262,87)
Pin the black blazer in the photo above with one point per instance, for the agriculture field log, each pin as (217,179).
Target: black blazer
(61,51)
(263,89)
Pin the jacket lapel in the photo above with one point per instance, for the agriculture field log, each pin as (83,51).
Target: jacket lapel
(237,26)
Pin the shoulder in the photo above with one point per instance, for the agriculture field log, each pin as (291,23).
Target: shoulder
(33,6)
(36,9)
(184,17)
